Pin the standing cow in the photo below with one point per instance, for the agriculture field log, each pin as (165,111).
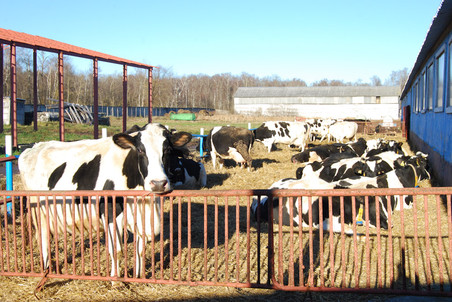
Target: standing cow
(342,130)
(230,142)
(136,160)
(291,133)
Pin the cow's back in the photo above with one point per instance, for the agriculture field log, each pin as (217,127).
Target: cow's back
(75,165)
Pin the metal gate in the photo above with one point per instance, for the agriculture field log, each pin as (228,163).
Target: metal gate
(212,237)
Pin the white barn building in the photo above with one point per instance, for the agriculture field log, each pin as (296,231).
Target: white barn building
(339,102)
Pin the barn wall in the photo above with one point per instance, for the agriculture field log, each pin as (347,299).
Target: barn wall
(430,128)
(359,107)
(357,111)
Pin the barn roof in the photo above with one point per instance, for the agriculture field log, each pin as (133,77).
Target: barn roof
(441,25)
(329,91)
(31,41)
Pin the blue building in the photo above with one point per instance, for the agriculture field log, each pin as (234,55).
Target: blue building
(426,99)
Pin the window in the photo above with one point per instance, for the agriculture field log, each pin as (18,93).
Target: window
(449,102)
(429,87)
(422,92)
(440,66)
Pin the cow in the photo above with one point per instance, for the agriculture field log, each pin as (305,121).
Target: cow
(319,128)
(342,130)
(187,173)
(408,175)
(342,166)
(314,203)
(383,146)
(138,159)
(291,133)
(322,152)
(230,142)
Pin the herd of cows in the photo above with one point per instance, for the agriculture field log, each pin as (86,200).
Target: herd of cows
(155,159)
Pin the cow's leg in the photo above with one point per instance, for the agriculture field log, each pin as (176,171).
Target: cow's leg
(214,158)
(114,242)
(139,257)
(40,224)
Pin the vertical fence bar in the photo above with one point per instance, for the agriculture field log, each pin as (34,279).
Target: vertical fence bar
(226,241)
(427,244)
(440,244)
(291,242)
(403,242)
(9,170)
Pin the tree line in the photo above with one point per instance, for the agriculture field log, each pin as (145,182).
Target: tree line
(168,90)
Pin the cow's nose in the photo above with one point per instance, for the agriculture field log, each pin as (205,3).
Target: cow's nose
(158,185)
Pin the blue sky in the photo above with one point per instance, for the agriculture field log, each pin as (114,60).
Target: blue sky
(347,40)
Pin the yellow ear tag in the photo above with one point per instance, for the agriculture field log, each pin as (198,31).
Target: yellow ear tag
(359,218)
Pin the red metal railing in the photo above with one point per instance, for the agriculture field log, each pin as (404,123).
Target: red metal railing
(211,238)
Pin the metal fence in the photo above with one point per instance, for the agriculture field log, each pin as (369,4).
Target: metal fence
(210,237)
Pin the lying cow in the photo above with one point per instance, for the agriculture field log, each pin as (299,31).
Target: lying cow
(402,177)
(230,142)
(135,160)
(303,213)
(322,152)
(187,173)
(291,133)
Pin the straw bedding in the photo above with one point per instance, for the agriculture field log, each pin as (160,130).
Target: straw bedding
(267,168)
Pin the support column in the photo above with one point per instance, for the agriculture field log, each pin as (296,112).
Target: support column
(1,88)
(150,95)
(13,105)
(35,90)
(61,94)
(124,98)
(96,98)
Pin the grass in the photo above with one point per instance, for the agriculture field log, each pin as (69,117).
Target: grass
(50,130)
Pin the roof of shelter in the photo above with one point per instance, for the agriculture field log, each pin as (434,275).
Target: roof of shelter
(328,91)
(31,41)
(440,23)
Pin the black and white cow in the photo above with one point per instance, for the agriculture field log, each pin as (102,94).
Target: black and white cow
(401,177)
(291,133)
(322,152)
(187,173)
(230,142)
(340,166)
(319,128)
(136,160)
(314,203)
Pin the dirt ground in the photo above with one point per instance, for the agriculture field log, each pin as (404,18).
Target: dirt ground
(266,169)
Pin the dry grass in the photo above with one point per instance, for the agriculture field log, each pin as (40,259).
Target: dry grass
(267,168)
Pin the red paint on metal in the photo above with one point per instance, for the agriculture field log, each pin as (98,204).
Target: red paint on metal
(13,104)
(61,94)
(13,251)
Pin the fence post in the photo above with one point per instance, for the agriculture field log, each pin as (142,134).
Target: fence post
(9,169)
(201,141)
(104,132)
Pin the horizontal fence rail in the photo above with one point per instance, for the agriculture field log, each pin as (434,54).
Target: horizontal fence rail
(210,237)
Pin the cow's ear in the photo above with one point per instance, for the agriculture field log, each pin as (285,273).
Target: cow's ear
(134,128)
(180,139)
(124,141)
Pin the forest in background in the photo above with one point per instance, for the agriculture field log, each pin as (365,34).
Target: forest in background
(168,90)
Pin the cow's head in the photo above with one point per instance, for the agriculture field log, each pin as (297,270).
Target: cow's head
(152,148)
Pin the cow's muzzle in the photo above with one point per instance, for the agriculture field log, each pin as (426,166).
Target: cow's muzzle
(160,186)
